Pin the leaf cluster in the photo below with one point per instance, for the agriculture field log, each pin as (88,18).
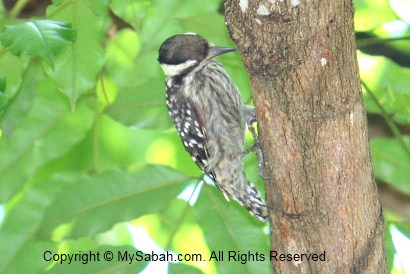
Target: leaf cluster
(383,41)
(88,155)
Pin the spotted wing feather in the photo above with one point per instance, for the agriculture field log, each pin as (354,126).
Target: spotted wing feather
(190,125)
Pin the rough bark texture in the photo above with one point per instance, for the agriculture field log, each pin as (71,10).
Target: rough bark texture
(301,60)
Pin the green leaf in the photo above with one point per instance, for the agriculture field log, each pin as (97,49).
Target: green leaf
(48,131)
(19,230)
(371,14)
(142,106)
(176,229)
(389,82)
(2,84)
(3,101)
(130,11)
(175,217)
(224,225)
(182,269)
(390,249)
(30,257)
(141,100)
(23,100)
(41,38)
(3,97)
(97,263)
(12,67)
(121,53)
(120,195)
(162,19)
(391,163)
(404,227)
(76,71)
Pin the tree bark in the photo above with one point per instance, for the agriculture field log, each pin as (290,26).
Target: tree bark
(301,60)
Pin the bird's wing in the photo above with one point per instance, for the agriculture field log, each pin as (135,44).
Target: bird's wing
(192,131)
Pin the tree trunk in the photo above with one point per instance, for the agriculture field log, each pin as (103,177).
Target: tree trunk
(301,60)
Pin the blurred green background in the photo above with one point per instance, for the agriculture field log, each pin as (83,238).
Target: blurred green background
(89,160)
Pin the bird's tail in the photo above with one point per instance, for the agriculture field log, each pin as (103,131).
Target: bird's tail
(252,201)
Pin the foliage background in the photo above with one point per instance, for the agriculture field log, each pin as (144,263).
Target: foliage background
(89,158)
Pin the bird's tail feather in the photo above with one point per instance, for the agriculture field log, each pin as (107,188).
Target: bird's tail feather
(252,201)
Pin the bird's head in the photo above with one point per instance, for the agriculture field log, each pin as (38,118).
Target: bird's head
(181,53)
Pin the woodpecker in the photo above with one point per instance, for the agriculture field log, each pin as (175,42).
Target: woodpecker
(209,115)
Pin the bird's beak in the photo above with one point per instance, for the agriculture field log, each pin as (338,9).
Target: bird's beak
(216,51)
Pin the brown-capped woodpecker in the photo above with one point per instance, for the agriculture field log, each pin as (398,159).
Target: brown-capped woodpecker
(209,115)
